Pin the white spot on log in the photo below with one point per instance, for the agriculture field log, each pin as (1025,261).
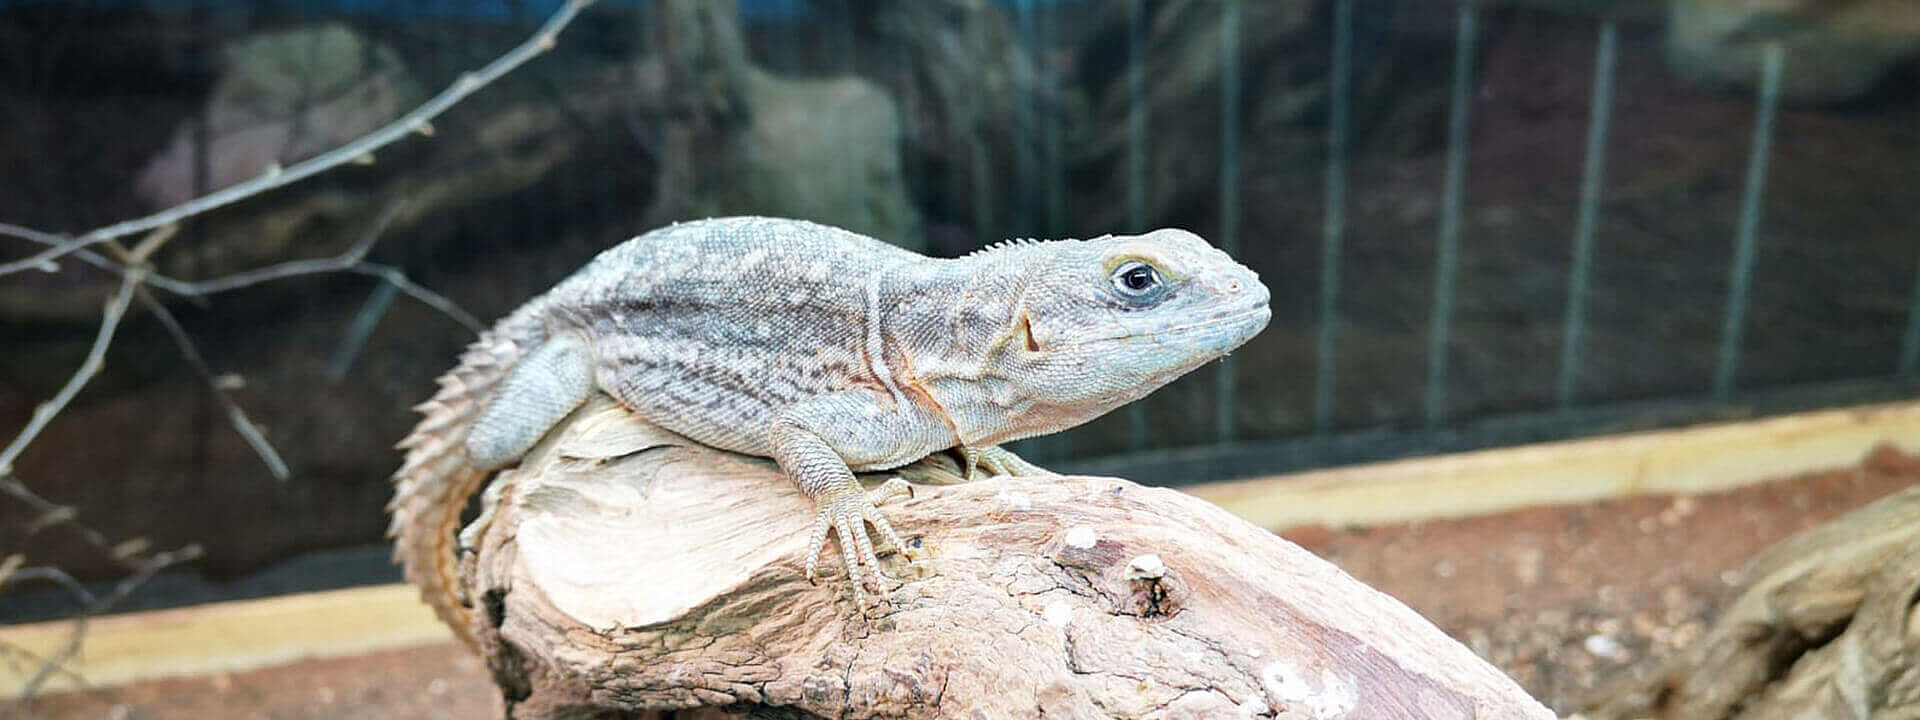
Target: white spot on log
(1058,613)
(1254,707)
(1082,537)
(1146,567)
(1015,499)
(1332,697)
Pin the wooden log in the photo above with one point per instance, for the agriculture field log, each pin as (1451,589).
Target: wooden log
(1825,625)
(623,571)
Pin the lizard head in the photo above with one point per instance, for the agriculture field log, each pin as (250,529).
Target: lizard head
(1103,322)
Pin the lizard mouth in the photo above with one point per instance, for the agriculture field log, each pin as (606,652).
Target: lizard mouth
(1243,323)
(1220,321)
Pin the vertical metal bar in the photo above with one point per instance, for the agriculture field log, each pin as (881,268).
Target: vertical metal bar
(1599,115)
(1447,255)
(1224,401)
(985,223)
(1138,435)
(1025,170)
(1333,225)
(1053,179)
(1910,344)
(1746,238)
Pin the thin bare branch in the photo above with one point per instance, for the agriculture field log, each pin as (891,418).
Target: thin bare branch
(235,416)
(56,576)
(109,322)
(414,121)
(95,259)
(426,297)
(44,260)
(27,233)
(92,605)
(197,291)
(46,509)
(344,261)
(135,274)
(29,657)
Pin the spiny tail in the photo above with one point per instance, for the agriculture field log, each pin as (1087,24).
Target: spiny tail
(433,486)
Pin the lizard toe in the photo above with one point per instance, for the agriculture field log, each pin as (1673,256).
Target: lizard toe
(817,542)
(997,461)
(893,488)
(849,555)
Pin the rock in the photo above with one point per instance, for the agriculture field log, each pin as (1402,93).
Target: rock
(1836,50)
(971,90)
(820,149)
(284,97)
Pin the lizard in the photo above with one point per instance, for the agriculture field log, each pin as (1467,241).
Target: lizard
(829,352)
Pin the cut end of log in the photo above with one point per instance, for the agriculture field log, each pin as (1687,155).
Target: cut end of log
(622,568)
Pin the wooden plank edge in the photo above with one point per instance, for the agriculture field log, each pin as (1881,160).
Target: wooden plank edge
(1696,459)
(252,634)
(226,637)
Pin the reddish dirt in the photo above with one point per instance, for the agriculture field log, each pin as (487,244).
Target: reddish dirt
(1559,597)
(439,682)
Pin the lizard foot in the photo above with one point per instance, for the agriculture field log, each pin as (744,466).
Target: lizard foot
(847,511)
(996,460)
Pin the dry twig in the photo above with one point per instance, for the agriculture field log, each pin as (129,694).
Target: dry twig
(360,150)
(109,322)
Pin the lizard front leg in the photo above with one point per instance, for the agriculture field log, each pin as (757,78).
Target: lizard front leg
(997,460)
(819,442)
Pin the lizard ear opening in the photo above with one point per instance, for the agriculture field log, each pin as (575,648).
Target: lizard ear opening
(1026,333)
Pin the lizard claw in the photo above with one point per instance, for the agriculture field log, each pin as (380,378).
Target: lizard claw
(847,512)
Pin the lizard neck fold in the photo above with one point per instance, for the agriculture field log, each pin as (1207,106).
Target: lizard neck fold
(877,332)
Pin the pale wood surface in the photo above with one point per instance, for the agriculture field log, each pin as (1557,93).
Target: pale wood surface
(622,569)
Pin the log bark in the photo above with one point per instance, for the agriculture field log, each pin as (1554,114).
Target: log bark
(1826,626)
(627,572)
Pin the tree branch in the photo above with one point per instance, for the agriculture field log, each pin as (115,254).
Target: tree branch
(109,322)
(417,120)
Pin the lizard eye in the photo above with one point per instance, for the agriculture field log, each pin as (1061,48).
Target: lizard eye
(1138,281)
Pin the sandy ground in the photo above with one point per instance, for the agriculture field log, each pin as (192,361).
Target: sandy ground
(1559,597)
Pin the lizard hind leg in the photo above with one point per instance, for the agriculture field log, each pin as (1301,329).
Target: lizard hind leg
(540,390)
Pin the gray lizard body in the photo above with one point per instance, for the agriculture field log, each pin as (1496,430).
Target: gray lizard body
(828,351)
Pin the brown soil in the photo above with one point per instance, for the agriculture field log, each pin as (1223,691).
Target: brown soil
(440,682)
(1559,597)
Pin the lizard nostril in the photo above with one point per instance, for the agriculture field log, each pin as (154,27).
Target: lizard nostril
(1233,286)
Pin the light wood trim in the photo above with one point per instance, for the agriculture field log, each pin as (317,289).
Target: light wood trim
(1696,459)
(230,636)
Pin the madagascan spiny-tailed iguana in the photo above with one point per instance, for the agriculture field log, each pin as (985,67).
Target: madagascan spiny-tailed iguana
(827,351)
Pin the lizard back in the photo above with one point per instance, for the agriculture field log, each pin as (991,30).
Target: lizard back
(710,327)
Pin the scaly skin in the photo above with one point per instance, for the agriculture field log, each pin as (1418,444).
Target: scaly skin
(828,351)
